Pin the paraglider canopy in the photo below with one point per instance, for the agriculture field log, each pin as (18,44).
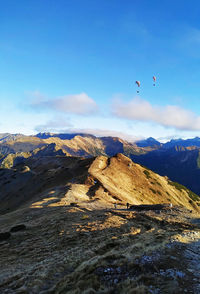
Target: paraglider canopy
(154,79)
(138,83)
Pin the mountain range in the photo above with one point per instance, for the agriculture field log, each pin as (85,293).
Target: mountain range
(177,159)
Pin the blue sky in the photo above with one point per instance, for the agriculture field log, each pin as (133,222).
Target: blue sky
(68,66)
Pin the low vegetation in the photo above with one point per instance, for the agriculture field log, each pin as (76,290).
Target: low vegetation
(180,187)
(147,173)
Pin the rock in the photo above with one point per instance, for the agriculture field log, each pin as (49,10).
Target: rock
(25,169)
(4,236)
(18,228)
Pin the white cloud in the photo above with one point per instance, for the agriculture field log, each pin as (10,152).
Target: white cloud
(36,97)
(80,104)
(168,116)
(54,125)
(106,133)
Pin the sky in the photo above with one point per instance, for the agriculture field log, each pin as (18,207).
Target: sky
(71,66)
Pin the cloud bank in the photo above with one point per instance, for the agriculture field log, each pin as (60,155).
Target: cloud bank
(106,133)
(80,104)
(54,125)
(168,116)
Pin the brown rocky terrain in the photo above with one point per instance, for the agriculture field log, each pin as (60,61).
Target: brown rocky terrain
(60,232)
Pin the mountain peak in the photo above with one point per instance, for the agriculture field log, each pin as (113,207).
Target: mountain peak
(149,142)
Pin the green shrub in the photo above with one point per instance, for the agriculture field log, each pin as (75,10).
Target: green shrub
(147,174)
(154,191)
(177,185)
(180,187)
(193,196)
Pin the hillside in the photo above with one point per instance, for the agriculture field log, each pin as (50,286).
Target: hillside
(60,232)
(5,137)
(180,164)
(12,159)
(103,180)
(20,144)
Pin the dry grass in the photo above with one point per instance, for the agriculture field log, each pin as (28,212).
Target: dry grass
(62,251)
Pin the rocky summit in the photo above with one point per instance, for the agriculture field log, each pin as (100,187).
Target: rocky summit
(96,225)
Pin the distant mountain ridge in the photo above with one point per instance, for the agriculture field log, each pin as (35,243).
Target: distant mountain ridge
(72,144)
(149,142)
(5,137)
(184,143)
(62,136)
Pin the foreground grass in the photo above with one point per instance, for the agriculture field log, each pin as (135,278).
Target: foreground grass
(77,250)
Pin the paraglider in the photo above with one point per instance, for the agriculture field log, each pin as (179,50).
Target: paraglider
(138,83)
(154,79)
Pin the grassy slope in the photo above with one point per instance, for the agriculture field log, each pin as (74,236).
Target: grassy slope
(91,247)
